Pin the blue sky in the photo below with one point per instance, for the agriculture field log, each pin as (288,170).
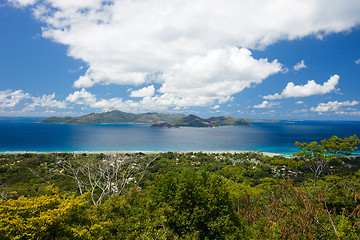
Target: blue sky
(261,59)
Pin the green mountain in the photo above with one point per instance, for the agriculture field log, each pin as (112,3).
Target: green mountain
(223,121)
(195,121)
(163,125)
(155,118)
(192,121)
(115,117)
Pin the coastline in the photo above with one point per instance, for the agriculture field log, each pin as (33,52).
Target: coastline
(269,154)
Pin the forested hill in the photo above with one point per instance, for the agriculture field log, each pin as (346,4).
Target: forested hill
(115,117)
(123,117)
(195,121)
(315,194)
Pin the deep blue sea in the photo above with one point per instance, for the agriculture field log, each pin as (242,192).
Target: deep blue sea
(22,134)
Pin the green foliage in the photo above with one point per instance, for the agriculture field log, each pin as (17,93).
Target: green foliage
(318,156)
(194,195)
(115,117)
(197,203)
(123,117)
(133,216)
(50,216)
(223,121)
(333,149)
(192,121)
(195,121)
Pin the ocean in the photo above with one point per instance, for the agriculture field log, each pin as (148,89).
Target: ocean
(23,134)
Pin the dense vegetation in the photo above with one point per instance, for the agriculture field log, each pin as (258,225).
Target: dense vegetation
(115,117)
(172,120)
(313,195)
(195,121)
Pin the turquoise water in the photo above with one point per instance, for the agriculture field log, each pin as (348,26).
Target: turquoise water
(22,134)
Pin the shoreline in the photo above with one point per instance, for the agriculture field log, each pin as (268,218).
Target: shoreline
(269,154)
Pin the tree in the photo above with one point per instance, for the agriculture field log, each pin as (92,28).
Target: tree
(317,156)
(108,175)
(50,216)
(197,205)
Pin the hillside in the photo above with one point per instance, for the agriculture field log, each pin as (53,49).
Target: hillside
(192,121)
(195,121)
(223,121)
(115,117)
(188,195)
(179,120)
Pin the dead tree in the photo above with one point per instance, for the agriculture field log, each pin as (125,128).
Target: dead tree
(108,176)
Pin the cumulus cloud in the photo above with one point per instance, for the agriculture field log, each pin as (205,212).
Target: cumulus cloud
(300,65)
(45,101)
(88,99)
(266,104)
(202,80)
(309,89)
(198,81)
(81,97)
(173,42)
(125,42)
(148,91)
(353,113)
(301,111)
(333,106)
(10,98)
(22,3)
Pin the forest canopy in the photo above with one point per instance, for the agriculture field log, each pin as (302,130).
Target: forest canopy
(314,194)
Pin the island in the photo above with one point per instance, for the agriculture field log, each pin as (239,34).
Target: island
(159,120)
(192,121)
(163,125)
(116,117)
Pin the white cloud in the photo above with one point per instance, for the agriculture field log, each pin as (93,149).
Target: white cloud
(309,89)
(22,3)
(199,81)
(357,61)
(299,102)
(88,99)
(10,98)
(81,97)
(175,43)
(353,113)
(129,42)
(45,101)
(148,91)
(203,80)
(300,65)
(215,107)
(266,104)
(333,106)
(301,111)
